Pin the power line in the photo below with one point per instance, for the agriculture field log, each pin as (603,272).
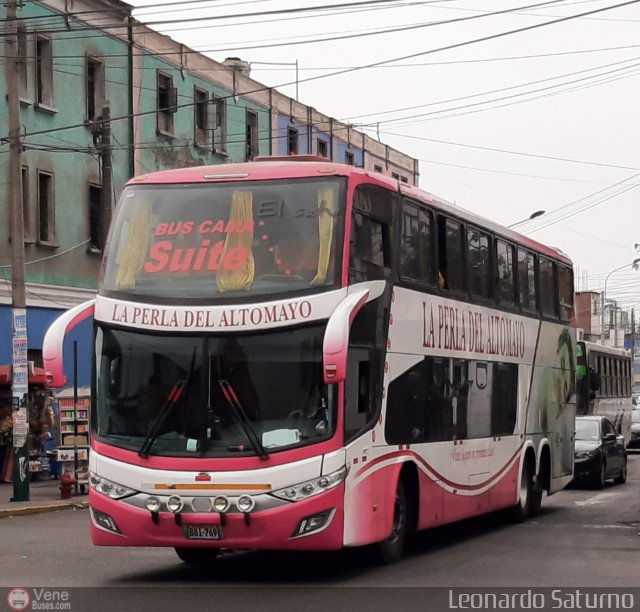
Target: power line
(391,60)
(509,152)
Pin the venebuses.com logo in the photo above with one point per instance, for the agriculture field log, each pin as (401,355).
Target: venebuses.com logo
(18,599)
(38,599)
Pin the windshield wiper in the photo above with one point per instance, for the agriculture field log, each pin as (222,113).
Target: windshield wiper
(243,420)
(170,402)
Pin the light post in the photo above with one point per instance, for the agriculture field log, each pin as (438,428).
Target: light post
(635,264)
(533,215)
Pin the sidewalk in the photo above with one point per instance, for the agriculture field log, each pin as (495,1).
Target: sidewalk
(44,496)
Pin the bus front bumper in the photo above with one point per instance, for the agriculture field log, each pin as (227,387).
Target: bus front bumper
(115,523)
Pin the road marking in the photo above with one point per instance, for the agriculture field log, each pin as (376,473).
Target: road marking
(598,499)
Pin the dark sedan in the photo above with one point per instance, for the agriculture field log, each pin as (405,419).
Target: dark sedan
(599,452)
(634,442)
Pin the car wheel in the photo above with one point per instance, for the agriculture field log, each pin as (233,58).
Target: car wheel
(197,556)
(622,477)
(601,478)
(523,508)
(390,550)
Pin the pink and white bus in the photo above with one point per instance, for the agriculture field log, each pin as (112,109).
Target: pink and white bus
(296,354)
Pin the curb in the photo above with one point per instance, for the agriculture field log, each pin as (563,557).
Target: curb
(49,507)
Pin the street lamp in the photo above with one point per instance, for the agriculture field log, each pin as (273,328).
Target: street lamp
(533,215)
(635,264)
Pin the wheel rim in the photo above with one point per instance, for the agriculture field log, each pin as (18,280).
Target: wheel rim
(399,520)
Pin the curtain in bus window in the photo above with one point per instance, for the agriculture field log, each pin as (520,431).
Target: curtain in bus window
(326,214)
(135,238)
(235,279)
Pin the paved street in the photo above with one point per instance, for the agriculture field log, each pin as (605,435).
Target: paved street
(581,538)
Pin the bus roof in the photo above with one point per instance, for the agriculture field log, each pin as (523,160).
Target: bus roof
(305,166)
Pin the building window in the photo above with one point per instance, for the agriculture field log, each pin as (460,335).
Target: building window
(220,132)
(95,226)
(23,63)
(292,141)
(349,159)
(95,88)
(404,179)
(167,103)
(377,168)
(26,207)
(323,148)
(251,136)
(46,208)
(395,175)
(44,72)
(201,117)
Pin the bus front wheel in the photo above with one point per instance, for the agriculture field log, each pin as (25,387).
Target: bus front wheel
(197,556)
(390,550)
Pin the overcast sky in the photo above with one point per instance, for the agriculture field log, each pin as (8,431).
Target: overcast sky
(542,119)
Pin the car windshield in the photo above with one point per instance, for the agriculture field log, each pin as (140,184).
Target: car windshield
(212,395)
(587,429)
(200,243)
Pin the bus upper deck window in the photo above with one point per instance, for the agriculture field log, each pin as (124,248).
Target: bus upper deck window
(548,295)
(565,292)
(506,273)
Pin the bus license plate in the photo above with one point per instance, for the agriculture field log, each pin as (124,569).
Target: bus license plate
(203,532)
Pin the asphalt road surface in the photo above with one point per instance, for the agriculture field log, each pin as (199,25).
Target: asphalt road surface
(582,538)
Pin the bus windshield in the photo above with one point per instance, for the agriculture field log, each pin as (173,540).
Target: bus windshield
(195,243)
(212,395)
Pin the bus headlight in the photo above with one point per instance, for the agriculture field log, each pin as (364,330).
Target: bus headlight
(153,504)
(309,488)
(245,503)
(109,488)
(221,503)
(175,504)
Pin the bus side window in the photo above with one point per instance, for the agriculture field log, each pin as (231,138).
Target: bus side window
(361,393)
(505,273)
(369,245)
(479,262)
(416,244)
(565,292)
(527,280)
(548,295)
(451,268)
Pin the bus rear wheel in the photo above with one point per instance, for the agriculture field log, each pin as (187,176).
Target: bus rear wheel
(524,508)
(197,556)
(390,550)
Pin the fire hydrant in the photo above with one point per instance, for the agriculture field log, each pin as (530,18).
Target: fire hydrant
(66,484)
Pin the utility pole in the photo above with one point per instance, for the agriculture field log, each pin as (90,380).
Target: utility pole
(107,173)
(20,373)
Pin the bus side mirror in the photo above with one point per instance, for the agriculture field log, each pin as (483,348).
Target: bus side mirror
(336,337)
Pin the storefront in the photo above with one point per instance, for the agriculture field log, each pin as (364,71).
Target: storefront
(42,422)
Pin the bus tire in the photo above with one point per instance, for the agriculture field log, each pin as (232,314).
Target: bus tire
(390,550)
(197,556)
(522,510)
